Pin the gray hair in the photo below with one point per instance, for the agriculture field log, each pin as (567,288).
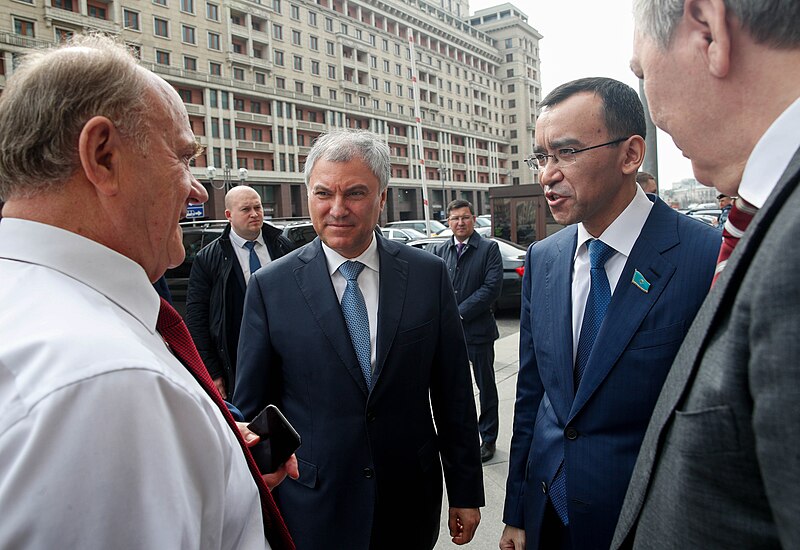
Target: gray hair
(775,23)
(347,145)
(48,100)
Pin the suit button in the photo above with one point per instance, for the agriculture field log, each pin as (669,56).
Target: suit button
(571,433)
(544,487)
(370,416)
(368,473)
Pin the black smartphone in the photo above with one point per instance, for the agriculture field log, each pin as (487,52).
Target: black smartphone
(279,439)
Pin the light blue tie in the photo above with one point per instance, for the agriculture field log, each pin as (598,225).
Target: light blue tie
(355,314)
(596,306)
(255,263)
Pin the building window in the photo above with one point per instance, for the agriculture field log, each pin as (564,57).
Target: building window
(212,11)
(297,38)
(512,103)
(278,58)
(312,18)
(130,20)
(186,95)
(98,12)
(160,2)
(329,24)
(187,35)
(511,88)
(295,12)
(315,67)
(313,43)
(238,73)
(332,94)
(255,107)
(316,91)
(261,78)
(135,49)
(215,69)
(160,27)
(376,104)
(509,72)
(226,129)
(238,104)
(189,63)
(280,83)
(509,42)
(277,31)
(276,5)
(330,48)
(298,86)
(373,62)
(62,35)
(348,98)
(258,164)
(257,135)
(213,41)
(187,6)
(162,57)
(225,96)
(298,63)
(331,71)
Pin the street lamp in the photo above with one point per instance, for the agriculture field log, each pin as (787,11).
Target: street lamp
(242,176)
(211,172)
(443,173)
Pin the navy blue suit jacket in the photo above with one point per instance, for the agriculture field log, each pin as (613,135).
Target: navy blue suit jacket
(598,431)
(477,278)
(370,462)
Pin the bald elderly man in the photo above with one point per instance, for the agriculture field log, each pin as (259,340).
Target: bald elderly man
(219,278)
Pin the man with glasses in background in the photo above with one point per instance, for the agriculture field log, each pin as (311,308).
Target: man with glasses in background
(606,303)
(476,271)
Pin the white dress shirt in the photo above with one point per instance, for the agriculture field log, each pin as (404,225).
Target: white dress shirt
(771,156)
(368,282)
(106,440)
(621,235)
(243,254)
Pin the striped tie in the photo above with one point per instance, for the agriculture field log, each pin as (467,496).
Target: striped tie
(741,214)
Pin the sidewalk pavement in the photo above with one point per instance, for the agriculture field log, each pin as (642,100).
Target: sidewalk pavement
(506,366)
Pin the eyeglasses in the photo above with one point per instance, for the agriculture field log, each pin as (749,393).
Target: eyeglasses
(456,219)
(564,157)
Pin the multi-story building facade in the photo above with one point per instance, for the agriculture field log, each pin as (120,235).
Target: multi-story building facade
(262,80)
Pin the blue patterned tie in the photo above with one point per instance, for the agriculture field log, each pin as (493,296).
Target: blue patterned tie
(255,264)
(355,314)
(459,249)
(596,306)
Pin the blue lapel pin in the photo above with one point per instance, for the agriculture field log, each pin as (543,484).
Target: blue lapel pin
(639,280)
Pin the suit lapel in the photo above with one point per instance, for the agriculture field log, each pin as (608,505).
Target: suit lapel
(315,284)
(392,297)
(629,305)
(558,312)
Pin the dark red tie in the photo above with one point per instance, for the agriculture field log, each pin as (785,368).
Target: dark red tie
(741,214)
(174,332)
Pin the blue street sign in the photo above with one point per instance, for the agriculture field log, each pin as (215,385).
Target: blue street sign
(195,211)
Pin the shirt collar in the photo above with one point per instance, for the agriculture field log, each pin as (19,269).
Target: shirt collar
(621,235)
(102,269)
(238,241)
(369,257)
(771,156)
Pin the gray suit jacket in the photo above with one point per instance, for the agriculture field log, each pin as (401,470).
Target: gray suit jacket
(720,463)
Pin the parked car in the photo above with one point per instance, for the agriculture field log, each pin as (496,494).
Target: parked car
(513,269)
(705,215)
(419,225)
(401,235)
(299,232)
(484,220)
(196,235)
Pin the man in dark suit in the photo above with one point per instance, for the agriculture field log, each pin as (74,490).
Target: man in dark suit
(360,379)
(476,271)
(606,303)
(219,278)
(719,466)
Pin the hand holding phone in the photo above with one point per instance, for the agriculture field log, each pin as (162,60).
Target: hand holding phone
(279,439)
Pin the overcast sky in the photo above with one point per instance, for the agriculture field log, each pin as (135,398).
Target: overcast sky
(591,38)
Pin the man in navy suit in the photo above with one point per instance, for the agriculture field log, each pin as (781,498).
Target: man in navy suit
(476,270)
(380,393)
(582,410)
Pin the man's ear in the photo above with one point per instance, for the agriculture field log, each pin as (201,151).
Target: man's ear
(99,150)
(708,20)
(634,154)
